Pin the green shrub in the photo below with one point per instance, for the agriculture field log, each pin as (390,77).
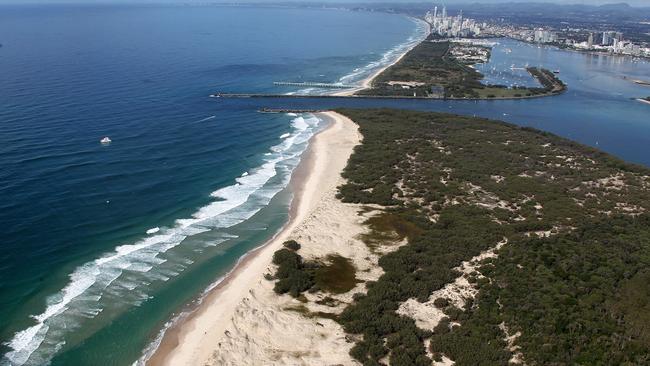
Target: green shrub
(292,244)
(292,276)
(577,297)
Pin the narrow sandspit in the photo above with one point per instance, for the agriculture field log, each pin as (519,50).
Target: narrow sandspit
(243,322)
(367,82)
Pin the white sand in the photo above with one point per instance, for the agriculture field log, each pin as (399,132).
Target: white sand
(427,315)
(244,322)
(367,82)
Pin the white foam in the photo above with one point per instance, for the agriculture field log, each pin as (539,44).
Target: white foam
(285,135)
(67,309)
(153,346)
(299,123)
(388,57)
(206,119)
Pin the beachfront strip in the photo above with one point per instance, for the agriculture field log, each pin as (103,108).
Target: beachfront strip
(435,68)
(443,68)
(425,237)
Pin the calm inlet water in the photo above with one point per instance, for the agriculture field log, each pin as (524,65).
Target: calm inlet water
(598,109)
(103,244)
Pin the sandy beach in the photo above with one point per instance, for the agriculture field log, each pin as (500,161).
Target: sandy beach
(367,82)
(242,321)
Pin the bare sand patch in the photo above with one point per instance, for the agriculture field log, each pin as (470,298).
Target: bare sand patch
(244,322)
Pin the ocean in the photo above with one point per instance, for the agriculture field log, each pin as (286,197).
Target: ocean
(104,245)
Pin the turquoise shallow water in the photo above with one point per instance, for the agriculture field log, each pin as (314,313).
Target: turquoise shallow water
(103,243)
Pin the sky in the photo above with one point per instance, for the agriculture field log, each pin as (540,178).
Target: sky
(448,2)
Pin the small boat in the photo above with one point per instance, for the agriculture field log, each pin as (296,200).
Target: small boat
(105,140)
(556,71)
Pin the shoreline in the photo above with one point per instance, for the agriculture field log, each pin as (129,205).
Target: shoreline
(182,342)
(367,81)
(396,97)
(577,50)
(170,337)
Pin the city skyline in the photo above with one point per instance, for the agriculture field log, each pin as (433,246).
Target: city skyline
(635,3)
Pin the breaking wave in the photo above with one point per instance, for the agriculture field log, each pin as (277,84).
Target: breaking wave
(120,279)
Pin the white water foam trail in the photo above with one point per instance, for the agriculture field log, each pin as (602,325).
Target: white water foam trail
(121,277)
(150,350)
(420,33)
(206,119)
(358,74)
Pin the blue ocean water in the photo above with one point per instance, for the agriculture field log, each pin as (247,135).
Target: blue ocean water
(103,243)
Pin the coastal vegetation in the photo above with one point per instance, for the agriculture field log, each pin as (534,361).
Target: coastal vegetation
(294,275)
(567,226)
(439,68)
(334,274)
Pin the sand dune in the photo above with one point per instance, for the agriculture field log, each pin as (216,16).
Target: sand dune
(244,322)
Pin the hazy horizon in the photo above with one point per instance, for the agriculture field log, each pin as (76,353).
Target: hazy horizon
(637,3)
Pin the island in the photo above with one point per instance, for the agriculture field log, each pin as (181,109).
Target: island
(443,68)
(420,238)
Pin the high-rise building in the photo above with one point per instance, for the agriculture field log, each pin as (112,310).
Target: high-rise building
(590,40)
(605,41)
(610,36)
(451,26)
(544,36)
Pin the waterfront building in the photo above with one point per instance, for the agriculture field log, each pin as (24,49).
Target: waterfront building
(451,26)
(605,41)
(544,36)
(610,36)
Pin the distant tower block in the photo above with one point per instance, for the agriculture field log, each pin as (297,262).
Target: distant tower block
(435,11)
